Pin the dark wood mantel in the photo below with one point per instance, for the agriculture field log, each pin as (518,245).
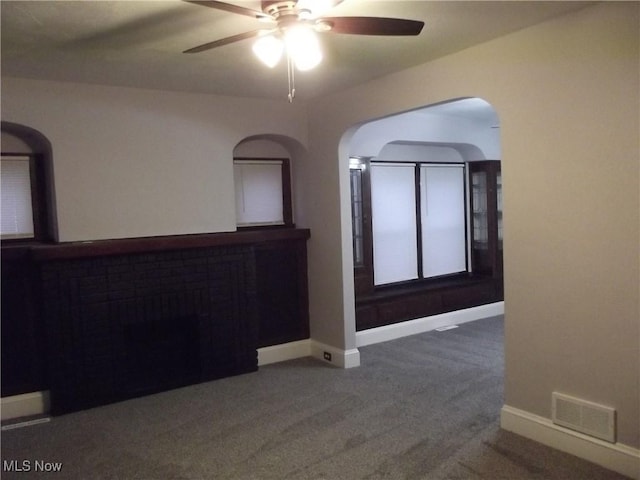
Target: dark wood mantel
(98,248)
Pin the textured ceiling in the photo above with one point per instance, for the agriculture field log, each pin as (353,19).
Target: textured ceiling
(139,43)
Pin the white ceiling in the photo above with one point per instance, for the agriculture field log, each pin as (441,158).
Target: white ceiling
(139,43)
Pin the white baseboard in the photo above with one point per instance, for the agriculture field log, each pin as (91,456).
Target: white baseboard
(426,324)
(25,405)
(339,358)
(308,348)
(351,358)
(283,352)
(614,456)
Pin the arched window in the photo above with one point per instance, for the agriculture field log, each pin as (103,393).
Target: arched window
(26,174)
(262,175)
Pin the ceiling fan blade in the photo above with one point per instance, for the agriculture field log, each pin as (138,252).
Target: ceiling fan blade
(225,41)
(373,25)
(230,7)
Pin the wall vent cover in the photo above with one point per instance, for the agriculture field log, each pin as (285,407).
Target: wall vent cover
(583,416)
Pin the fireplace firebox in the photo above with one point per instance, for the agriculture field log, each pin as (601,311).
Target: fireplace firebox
(119,326)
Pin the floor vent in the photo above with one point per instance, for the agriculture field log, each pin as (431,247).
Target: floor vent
(585,417)
(445,328)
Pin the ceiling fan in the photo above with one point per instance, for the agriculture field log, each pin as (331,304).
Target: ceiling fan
(290,27)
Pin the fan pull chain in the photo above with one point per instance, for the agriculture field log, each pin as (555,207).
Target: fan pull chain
(291,77)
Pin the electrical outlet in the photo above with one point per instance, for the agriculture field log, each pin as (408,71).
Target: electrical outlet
(327,356)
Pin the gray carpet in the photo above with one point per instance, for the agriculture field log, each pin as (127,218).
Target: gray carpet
(422,407)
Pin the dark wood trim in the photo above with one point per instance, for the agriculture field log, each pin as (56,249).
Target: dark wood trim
(154,244)
(287,207)
(422,285)
(468,217)
(417,189)
(16,251)
(357,241)
(363,274)
(38,205)
(489,260)
(367,219)
(406,302)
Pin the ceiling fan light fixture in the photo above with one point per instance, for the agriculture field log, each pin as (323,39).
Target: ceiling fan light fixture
(269,50)
(303,47)
(297,23)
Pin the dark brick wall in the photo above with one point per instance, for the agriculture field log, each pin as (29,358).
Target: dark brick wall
(125,325)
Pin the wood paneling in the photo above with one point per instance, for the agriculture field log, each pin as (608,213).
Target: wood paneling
(399,303)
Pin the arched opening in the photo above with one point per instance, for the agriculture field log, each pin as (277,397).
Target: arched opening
(264,175)
(426,218)
(23,141)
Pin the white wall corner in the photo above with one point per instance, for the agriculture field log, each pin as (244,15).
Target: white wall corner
(336,357)
(25,405)
(284,352)
(614,456)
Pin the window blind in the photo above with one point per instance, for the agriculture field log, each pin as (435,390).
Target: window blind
(442,218)
(15,190)
(258,187)
(393,211)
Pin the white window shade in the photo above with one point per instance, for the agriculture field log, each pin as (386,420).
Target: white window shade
(258,186)
(15,189)
(393,205)
(442,219)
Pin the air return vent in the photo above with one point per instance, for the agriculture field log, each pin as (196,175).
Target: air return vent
(583,416)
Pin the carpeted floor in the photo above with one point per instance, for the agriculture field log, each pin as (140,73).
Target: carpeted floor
(422,407)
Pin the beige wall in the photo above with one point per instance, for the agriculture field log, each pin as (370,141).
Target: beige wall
(567,93)
(12,144)
(139,162)
(134,163)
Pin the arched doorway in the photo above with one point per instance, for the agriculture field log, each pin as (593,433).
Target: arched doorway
(431,250)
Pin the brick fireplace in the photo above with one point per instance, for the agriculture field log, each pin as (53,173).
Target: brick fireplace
(128,318)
